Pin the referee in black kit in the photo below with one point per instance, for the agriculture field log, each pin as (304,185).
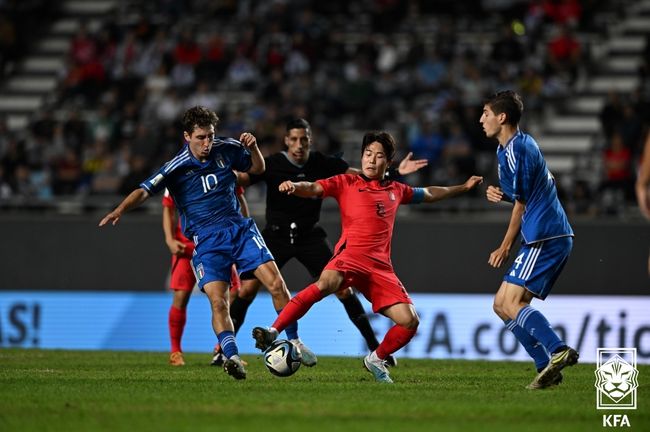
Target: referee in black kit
(292,229)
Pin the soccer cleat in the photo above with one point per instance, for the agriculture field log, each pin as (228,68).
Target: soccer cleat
(176,359)
(309,359)
(218,359)
(264,337)
(551,375)
(234,367)
(391,361)
(377,368)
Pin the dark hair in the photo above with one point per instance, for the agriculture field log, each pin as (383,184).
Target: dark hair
(508,102)
(384,138)
(198,116)
(298,123)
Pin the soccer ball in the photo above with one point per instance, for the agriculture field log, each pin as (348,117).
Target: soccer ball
(282,358)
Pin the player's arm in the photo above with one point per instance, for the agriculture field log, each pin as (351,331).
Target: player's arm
(301,189)
(243,204)
(243,179)
(495,194)
(250,142)
(500,255)
(169,221)
(405,167)
(437,193)
(643,180)
(134,199)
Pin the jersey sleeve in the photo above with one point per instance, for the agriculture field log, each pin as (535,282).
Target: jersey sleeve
(410,195)
(241,160)
(167,200)
(158,180)
(522,180)
(332,186)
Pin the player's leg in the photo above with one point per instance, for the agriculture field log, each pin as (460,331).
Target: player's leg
(314,253)
(218,357)
(251,285)
(330,281)
(181,283)
(532,346)
(217,292)
(535,271)
(406,324)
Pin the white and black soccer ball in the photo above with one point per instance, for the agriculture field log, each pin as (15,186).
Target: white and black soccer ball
(282,358)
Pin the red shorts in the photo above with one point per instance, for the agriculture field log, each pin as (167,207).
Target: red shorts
(376,280)
(183,278)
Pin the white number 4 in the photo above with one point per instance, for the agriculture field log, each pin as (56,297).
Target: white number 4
(520,260)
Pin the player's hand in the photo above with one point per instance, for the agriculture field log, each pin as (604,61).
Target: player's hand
(113,217)
(494,194)
(408,165)
(287,187)
(248,140)
(473,181)
(498,257)
(176,247)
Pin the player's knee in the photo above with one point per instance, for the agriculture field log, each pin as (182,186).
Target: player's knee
(413,322)
(277,286)
(248,290)
(344,293)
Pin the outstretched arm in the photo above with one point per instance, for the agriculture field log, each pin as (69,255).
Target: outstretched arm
(409,165)
(500,255)
(437,193)
(134,199)
(301,189)
(406,166)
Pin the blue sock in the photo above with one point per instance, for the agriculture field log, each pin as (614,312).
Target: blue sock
(538,327)
(533,347)
(291,330)
(228,344)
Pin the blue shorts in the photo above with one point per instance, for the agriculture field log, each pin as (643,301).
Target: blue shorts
(233,242)
(538,265)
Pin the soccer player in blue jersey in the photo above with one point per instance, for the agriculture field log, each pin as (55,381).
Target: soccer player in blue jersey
(201,181)
(547,238)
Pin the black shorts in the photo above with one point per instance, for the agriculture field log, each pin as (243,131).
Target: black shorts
(310,248)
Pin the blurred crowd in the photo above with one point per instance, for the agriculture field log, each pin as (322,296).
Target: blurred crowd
(418,68)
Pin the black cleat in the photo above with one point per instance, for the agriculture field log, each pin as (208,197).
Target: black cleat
(264,337)
(234,367)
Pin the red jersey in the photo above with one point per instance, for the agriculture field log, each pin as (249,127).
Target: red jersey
(168,201)
(368,210)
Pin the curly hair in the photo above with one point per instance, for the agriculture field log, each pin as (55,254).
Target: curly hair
(200,117)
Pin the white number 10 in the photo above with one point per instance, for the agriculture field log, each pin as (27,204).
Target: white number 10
(209,182)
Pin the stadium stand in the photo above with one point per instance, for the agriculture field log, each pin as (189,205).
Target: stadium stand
(90,103)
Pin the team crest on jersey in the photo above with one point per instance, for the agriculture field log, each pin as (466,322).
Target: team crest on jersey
(156,179)
(391,196)
(199,271)
(220,162)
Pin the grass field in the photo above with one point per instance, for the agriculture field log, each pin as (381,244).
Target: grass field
(107,391)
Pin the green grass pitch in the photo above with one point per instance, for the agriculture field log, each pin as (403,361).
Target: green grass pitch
(47,390)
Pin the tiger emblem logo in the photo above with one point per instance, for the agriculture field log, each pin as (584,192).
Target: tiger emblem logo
(616,378)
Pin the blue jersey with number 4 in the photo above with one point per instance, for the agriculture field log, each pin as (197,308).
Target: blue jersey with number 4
(524,177)
(204,192)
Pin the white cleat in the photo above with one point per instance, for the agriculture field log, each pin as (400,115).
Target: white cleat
(309,359)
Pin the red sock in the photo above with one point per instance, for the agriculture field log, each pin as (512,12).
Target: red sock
(177,318)
(297,307)
(395,339)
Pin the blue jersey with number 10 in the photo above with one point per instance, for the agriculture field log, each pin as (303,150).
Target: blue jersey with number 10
(204,192)
(524,177)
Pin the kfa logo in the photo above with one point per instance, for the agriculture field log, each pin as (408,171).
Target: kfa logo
(616,383)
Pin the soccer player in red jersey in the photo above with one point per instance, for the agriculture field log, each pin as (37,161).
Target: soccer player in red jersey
(182,278)
(368,206)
